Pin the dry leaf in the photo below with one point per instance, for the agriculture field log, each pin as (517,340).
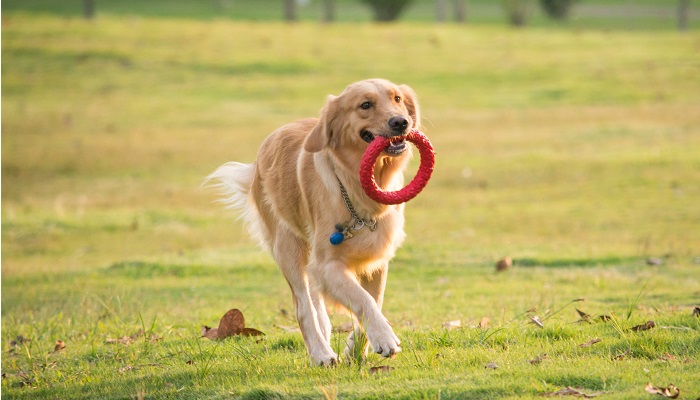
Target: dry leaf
(666,357)
(383,368)
(537,321)
(504,264)
(449,325)
(538,359)
(491,365)
(60,345)
(590,343)
(644,327)
(670,391)
(484,323)
(569,391)
(232,323)
(584,316)
(604,318)
(696,312)
(622,355)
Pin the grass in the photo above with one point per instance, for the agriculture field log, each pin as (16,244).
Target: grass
(574,152)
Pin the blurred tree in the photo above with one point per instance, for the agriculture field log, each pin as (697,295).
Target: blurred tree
(683,10)
(290,10)
(557,9)
(458,7)
(516,11)
(387,10)
(88,9)
(329,10)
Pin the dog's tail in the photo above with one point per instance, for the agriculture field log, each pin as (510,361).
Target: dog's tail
(235,180)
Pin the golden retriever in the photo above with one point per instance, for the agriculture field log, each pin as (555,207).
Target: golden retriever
(301,189)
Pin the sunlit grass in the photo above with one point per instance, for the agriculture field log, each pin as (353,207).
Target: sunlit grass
(575,153)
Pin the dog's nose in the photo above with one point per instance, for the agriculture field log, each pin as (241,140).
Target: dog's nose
(398,125)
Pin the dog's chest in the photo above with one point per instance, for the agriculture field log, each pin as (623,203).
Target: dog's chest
(368,246)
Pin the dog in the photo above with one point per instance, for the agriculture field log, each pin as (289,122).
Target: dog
(304,186)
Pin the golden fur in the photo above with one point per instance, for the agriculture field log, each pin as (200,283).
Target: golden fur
(291,199)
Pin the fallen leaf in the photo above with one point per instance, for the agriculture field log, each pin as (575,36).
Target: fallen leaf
(590,342)
(604,318)
(666,357)
(696,312)
(190,362)
(504,264)
(382,368)
(538,359)
(569,391)
(251,332)
(670,391)
(60,345)
(583,314)
(491,365)
(537,321)
(484,323)
(644,327)
(449,325)
(622,355)
(232,323)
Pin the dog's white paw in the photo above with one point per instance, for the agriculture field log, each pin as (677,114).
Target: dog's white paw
(324,360)
(383,340)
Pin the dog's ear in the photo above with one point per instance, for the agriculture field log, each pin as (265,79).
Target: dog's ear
(411,101)
(322,134)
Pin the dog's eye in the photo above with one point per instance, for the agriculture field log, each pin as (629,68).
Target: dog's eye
(366,105)
(397,99)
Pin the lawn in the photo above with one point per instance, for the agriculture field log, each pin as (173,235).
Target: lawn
(575,152)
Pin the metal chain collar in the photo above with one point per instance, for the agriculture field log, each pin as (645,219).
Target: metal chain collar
(356,223)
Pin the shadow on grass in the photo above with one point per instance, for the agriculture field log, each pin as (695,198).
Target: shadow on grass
(575,262)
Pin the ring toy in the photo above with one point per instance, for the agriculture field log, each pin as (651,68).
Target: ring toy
(425,170)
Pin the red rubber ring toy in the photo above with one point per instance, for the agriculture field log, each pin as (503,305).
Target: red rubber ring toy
(425,170)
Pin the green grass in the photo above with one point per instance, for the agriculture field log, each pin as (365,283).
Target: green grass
(577,153)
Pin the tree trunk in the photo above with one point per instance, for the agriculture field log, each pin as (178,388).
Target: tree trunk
(683,10)
(440,11)
(89,9)
(329,11)
(290,10)
(461,10)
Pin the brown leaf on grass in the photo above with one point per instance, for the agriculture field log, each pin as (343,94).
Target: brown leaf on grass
(484,323)
(604,318)
(60,345)
(538,359)
(491,365)
(381,368)
(622,355)
(590,342)
(583,314)
(644,327)
(504,264)
(666,357)
(696,312)
(670,391)
(569,391)
(232,323)
(537,321)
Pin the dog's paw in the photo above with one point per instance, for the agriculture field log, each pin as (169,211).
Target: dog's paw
(326,360)
(384,341)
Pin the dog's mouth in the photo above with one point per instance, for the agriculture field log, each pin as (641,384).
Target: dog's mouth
(395,148)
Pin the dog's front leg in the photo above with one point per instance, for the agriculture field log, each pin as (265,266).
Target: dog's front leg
(341,284)
(374,284)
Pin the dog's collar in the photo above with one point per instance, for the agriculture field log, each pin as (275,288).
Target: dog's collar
(343,231)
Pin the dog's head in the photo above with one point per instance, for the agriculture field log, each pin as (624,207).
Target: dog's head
(366,109)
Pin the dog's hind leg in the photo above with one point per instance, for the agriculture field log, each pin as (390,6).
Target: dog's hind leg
(291,255)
